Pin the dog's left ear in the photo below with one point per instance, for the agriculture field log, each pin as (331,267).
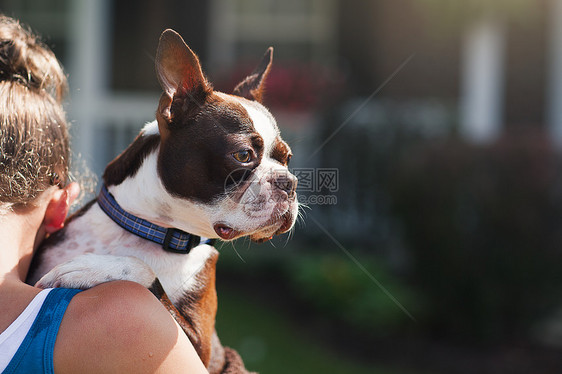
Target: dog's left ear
(252,87)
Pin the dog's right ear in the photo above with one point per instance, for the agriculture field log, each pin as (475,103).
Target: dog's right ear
(179,73)
(177,66)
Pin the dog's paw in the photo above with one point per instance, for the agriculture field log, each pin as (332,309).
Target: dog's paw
(89,270)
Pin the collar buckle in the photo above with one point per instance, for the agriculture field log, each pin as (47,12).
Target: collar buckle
(193,241)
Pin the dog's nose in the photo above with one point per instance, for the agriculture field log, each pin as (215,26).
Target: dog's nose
(287,182)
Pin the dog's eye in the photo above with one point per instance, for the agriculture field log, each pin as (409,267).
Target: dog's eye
(289,159)
(242,156)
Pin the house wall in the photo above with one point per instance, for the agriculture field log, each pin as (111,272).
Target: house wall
(376,36)
(526,68)
(135,33)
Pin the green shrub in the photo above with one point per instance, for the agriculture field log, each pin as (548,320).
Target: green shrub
(483,226)
(338,288)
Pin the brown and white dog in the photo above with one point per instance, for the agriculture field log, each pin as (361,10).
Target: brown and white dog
(212,165)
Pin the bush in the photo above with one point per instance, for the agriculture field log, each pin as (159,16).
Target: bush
(342,291)
(483,227)
(328,287)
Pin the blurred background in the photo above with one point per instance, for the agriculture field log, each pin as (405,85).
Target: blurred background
(426,137)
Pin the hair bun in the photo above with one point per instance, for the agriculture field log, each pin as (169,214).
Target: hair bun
(26,61)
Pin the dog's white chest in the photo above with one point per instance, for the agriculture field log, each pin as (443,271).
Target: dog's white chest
(95,233)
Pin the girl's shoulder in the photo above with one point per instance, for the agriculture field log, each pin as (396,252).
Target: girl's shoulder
(121,327)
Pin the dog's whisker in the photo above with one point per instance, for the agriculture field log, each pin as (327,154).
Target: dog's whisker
(304,206)
(289,235)
(235,251)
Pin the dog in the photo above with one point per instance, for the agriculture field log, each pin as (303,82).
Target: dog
(211,166)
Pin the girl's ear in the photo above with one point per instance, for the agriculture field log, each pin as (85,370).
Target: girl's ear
(58,207)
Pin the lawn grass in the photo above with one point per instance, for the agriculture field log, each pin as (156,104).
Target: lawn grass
(270,343)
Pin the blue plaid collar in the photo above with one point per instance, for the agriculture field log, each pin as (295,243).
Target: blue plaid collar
(172,240)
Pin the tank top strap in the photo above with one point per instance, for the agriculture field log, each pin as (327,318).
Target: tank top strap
(35,354)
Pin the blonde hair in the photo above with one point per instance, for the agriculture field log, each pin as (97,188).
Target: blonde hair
(34,144)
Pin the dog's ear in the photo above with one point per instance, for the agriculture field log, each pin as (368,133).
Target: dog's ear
(253,86)
(180,75)
(177,66)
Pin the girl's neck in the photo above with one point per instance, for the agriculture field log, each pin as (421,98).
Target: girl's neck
(17,240)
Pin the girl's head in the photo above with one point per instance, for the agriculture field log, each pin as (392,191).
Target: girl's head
(34,145)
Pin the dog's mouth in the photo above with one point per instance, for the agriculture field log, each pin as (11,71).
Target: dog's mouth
(276,227)
(226,232)
(286,221)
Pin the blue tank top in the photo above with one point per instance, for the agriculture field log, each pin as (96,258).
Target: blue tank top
(35,354)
